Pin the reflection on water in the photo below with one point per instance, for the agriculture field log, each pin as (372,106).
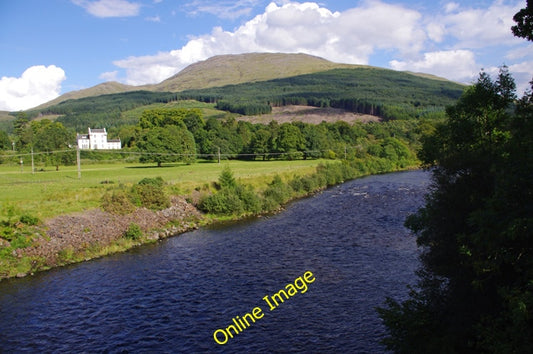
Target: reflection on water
(172,296)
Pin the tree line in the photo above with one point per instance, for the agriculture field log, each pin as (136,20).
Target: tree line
(182,135)
(185,134)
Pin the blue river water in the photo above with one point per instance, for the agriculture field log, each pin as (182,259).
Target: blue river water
(172,296)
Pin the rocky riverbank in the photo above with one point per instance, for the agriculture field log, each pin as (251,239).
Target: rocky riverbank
(84,235)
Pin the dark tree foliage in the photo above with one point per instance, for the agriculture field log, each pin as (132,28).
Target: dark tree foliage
(524,22)
(384,93)
(5,143)
(162,117)
(476,283)
(167,144)
(104,110)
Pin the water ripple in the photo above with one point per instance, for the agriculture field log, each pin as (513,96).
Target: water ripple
(170,297)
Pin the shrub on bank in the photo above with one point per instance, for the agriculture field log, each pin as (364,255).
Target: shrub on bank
(232,198)
(133,232)
(118,202)
(149,193)
(277,193)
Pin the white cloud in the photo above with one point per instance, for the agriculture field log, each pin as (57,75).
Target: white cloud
(520,52)
(350,37)
(522,75)
(153,19)
(37,85)
(225,9)
(458,65)
(109,8)
(109,76)
(148,69)
(478,27)
(451,6)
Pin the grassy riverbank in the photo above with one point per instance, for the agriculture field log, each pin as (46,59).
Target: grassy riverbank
(32,204)
(52,218)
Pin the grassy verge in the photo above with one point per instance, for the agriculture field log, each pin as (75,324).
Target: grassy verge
(50,193)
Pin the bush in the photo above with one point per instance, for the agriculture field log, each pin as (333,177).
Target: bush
(296,184)
(157,182)
(133,232)
(278,191)
(232,198)
(150,193)
(29,220)
(251,201)
(224,202)
(309,184)
(117,202)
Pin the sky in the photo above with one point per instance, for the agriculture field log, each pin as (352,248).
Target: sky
(52,47)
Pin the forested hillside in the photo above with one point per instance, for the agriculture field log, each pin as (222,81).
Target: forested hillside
(384,93)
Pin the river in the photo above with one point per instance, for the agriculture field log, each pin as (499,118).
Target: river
(173,295)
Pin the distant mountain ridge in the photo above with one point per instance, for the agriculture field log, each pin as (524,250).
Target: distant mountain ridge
(220,71)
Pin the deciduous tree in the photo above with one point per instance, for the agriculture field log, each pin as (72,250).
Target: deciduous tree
(167,144)
(475,291)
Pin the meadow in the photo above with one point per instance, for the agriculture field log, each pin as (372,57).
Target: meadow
(47,193)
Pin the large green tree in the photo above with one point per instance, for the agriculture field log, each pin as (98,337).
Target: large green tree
(161,117)
(53,140)
(167,144)
(476,282)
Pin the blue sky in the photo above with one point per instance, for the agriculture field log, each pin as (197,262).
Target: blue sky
(55,46)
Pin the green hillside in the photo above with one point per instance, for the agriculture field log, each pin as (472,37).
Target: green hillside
(385,93)
(220,70)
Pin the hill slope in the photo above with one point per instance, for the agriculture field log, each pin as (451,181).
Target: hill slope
(217,71)
(105,88)
(225,70)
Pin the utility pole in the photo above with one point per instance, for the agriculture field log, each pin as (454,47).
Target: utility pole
(32,163)
(78,160)
(218,155)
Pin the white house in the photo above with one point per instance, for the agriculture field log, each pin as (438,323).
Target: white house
(97,140)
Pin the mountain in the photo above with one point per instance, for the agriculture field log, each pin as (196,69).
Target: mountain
(217,71)
(225,70)
(101,89)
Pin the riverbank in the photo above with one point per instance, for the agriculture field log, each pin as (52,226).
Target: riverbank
(81,236)
(94,233)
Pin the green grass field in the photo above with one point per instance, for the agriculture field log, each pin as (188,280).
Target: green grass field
(50,193)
